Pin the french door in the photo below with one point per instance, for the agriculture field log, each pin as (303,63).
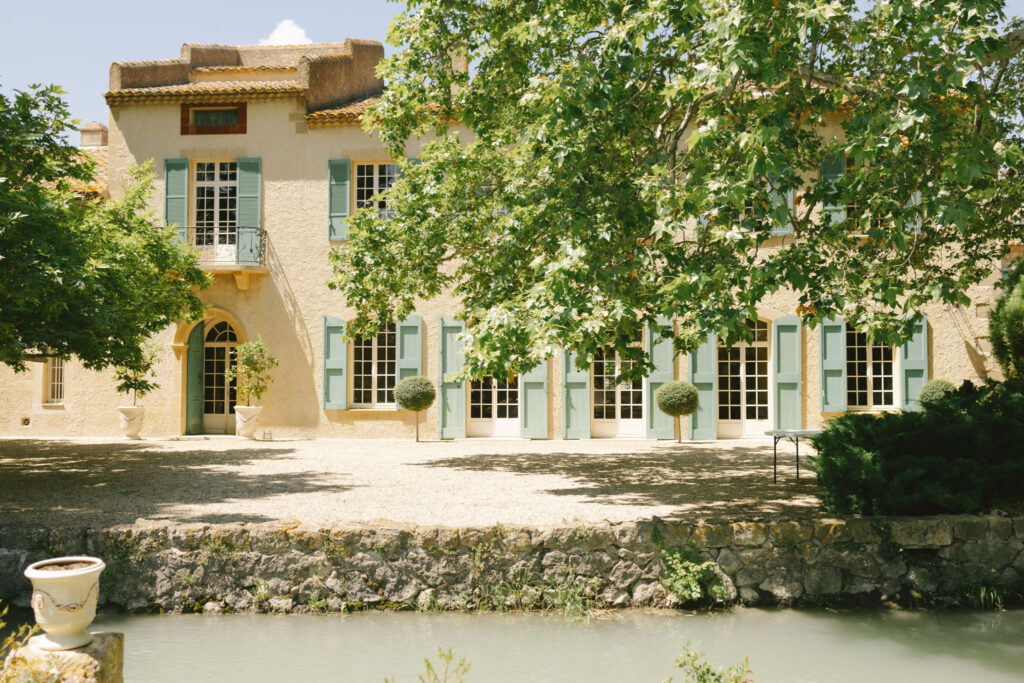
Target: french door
(215,188)
(218,393)
(743,386)
(618,407)
(493,408)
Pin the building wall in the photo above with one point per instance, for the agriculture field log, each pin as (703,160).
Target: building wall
(286,306)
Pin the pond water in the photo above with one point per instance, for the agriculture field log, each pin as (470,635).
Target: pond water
(782,645)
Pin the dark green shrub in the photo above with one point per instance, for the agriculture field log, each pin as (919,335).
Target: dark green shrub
(961,453)
(935,390)
(415,394)
(676,399)
(1006,325)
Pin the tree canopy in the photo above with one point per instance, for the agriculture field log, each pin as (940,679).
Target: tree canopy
(632,160)
(79,276)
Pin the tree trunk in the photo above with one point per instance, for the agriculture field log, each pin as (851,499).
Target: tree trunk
(417,427)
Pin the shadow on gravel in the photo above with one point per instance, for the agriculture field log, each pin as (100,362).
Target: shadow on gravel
(701,481)
(54,482)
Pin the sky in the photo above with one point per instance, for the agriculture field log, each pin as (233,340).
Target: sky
(73,44)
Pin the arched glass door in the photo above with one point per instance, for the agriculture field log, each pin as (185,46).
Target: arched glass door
(743,385)
(218,393)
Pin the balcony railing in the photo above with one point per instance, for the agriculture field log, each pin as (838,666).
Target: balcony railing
(224,248)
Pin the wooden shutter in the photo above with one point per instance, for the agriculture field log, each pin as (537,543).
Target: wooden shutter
(575,398)
(832,359)
(335,364)
(176,192)
(194,380)
(704,375)
(410,347)
(338,198)
(452,404)
(787,361)
(533,403)
(778,199)
(832,170)
(250,182)
(914,366)
(658,424)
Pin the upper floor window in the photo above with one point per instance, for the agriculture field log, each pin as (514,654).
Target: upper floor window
(371,180)
(54,388)
(374,364)
(215,192)
(869,372)
(213,119)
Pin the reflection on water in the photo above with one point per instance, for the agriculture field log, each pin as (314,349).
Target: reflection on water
(782,645)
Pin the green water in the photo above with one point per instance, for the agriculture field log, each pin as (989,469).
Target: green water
(782,645)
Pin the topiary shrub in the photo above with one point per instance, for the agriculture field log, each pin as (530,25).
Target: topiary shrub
(1006,325)
(676,399)
(934,390)
(960,454)
(415,394)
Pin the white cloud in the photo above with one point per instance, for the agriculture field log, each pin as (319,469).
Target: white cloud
(286,32)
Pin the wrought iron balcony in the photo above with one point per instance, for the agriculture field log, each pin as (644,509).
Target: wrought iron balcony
(238,250)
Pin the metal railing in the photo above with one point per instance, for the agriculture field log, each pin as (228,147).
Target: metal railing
(238,246)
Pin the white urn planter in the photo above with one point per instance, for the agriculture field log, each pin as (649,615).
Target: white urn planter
(64,595)
(131,420)
(247,418)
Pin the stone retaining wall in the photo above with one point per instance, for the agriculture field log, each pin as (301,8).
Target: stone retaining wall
(284,567)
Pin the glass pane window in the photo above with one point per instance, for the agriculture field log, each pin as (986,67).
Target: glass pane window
(374,363)
(743,377)
(489,398)
(215,117)
(215,189)
(870,372)
(55,380)
(613,399)
(371,180)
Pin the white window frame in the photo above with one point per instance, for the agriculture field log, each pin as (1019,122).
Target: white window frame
(870,376)
(54,382)
(380,181)
(376,377)
(216,232)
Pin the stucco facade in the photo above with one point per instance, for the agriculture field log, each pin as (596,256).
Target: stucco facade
(297,120)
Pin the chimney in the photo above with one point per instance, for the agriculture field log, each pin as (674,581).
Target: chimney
(94,134)
(460,58)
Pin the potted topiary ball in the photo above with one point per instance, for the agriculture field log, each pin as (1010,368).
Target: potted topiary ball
(251,371)
(415,394)
(934,390)
(134,379)
(676,399)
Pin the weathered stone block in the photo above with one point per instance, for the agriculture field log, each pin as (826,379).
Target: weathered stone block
(863,530)
(1000,527)
(785,586)
(102,661)
(922,579)
(822,580)
(712,535)
(728,561)
(969,527)
(749,534)
(828,531)
(922,533)
(791,533)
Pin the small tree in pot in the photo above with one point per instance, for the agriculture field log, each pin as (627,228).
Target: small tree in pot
(250,372)
(415,394)
(136,379)
(676,399)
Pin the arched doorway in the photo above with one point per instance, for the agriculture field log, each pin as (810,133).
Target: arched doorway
(743,385)
(210,397)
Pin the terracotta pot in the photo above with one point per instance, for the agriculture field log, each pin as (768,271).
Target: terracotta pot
(247,418)
(131,420)
(64,600)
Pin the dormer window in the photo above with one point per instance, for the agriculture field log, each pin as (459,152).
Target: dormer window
(213,119)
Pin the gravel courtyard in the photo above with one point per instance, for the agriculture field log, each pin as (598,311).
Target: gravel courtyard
(224,479)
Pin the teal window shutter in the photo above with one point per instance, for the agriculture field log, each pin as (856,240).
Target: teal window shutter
(914,366)
(451,416)
(575,398)
(787,359)
(915,225)
(194,380)
(247,246)
(176,192)
(662,353)
(832,170)
(335,364)
(832,359)
(338,197)
(704,375)
(778,199)
(410,347)
(533,403)
(250,182)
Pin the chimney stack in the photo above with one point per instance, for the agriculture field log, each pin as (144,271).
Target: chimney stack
(94,134)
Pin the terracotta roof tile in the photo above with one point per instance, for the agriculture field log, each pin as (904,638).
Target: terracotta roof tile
(241,69)
(212,90)
(350,112)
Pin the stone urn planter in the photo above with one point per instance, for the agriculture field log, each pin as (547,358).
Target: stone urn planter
(247,418)
(131,420)
(64,595)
